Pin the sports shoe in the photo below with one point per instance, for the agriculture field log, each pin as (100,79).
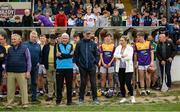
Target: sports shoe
(96,102)
(41,92)
(148,92)
(25,106)
(123,100)
(81,101)
(9,107)
(143,93)
(74,94)
(133,99)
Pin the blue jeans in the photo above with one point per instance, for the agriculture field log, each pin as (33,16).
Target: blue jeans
(167,72)
(34,73)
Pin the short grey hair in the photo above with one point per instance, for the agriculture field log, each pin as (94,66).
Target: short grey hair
(65,35)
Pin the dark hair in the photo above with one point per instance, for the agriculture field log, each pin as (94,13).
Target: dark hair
(37,12)
(17,18)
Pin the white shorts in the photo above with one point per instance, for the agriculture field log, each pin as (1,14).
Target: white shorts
(143,67)
(105,70)
(75,69)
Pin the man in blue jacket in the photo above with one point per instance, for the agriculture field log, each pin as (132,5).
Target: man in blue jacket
(86,58)
(64,69)
(35,51)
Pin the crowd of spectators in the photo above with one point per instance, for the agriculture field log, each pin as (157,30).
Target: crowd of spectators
(88,13)
(74,13)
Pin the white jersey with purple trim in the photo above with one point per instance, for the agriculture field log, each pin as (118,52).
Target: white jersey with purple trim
(90,19)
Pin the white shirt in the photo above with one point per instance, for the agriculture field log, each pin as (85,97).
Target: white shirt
(90,20)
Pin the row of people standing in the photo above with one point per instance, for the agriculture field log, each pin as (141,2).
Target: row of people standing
(60,58)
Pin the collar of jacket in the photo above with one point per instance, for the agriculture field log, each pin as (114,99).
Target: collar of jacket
(86,40)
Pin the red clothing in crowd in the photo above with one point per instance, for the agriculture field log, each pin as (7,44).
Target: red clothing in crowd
(61,20)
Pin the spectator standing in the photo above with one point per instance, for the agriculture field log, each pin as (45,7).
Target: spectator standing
(116,19)
(48,60)
(107,62)
(120,7)
(86,58)
(35,51)
(27,19)
(144,58)
(89,18)
(47,9)
(64,69)
(165,54)
(79,21)
(103,20)
(134,19)
(147,19)
(124,67)
(20,71)
(43,19)
(39,6)
(17,23)
(61,18)
(41,69)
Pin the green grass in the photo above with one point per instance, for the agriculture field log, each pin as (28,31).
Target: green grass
(117,107)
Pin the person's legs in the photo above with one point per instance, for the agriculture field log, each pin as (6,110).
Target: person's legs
(168,73)
(162,70)
(121,75)
(69,78)
(92,77)
(22,81)
(103,72)
(141,78)
(40,79)
(128,78)
(34,73)
(10,88)
(110,77)
(50,79)
(83,82)
(59,85)
(148,80)
(1,79)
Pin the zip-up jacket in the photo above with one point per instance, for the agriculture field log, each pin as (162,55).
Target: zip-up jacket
(65,60)
(86,54)
(170,51)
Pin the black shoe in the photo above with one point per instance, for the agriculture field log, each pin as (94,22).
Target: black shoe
(35,101)
(58,102)
(69,103)
(49,99)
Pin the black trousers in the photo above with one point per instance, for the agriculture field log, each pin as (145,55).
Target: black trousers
(168,72)
(62,74)
(125,78)
(84,74)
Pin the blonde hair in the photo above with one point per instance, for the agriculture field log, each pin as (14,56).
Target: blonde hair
(34,32)
(17,36)
(126,38)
